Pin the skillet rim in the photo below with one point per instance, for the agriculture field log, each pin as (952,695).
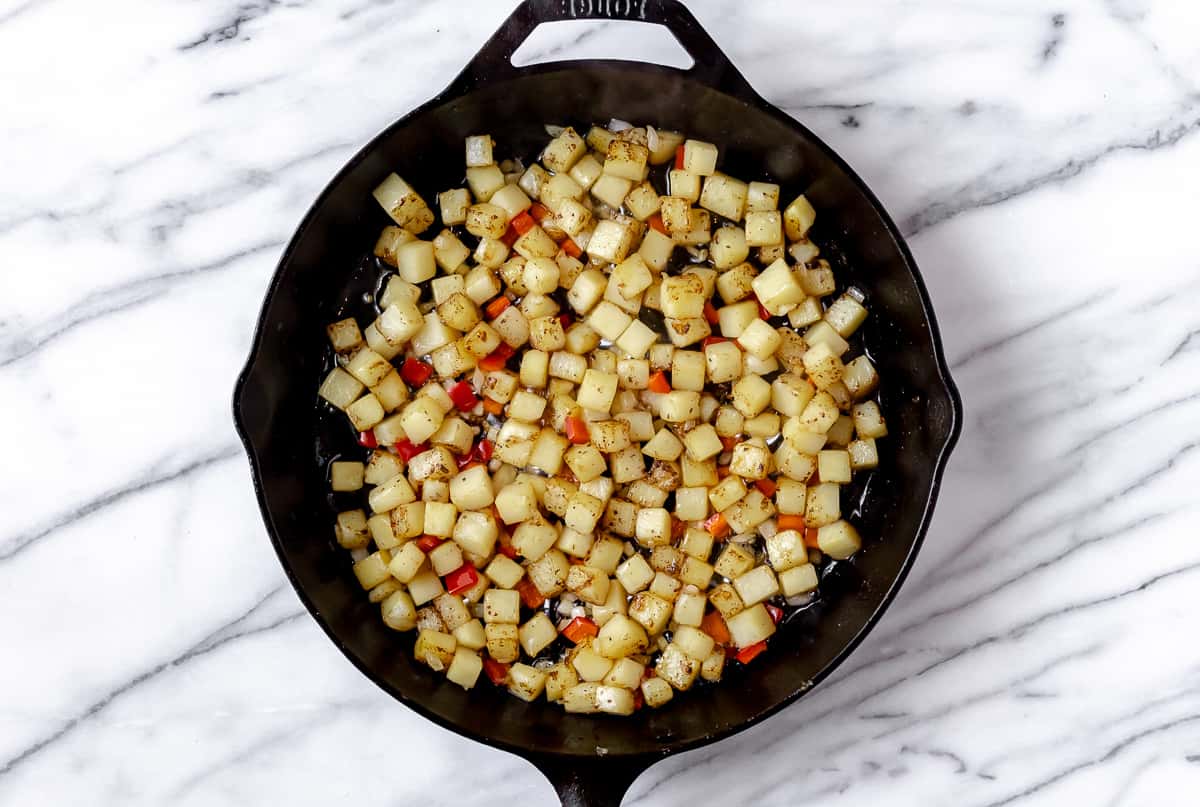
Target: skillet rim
(458,89)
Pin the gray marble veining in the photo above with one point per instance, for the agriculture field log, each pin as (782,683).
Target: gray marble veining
(1042,160)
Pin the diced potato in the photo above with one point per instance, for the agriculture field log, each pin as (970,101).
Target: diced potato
(684,332)
(730,490)
(581,698)
(734,319)
(351,529)
(799,579)
(863,454)
(823,505)
(868,421)
(625,673)
(702,442)
(650,611)
(679,406)
(653,527)
(839,540)
(624,159)
(750,626)
(425,586)
(750,395)
(586,462)
(764,228)
(591,665)
(533,180)
(559,679)
(798,217)
(756,585)
(611,189)
(503,641)
(724,196)
(699,157)
(820,414)
(403,204)
(537,634)
(683,296)
(656,249)
(471,489)
(834,466)
(677,668)
(751,460)
(734,561)
(390,494)
(346,476)
(726,600)
(564,151)
(759,339)
(762,196)
(398,610)
(634,574)
(663,446)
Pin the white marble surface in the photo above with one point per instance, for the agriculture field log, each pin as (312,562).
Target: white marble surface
(1043,158)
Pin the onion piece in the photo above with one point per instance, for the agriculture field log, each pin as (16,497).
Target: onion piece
(553,130)
(855,293)
(618,125)
(651,138)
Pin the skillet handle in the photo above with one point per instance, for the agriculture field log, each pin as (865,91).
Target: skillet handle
(596,782)
(711,65)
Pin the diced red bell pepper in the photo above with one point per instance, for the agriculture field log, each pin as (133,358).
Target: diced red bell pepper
(539,212)
(461,578)
(714,625)
(577,430)
(748,654)
(407,450)
(810,538)
(678,529)
(710,314)
(679,157)
(523,223)
(571,248)
(415,371)
(493,407)
(367,439)
(639,700)
(483,450)
(496,672)
(790,521)
(463,396)
(763,313)
(565,320)
(428,543)
(579,628)
(504,546)
(656,223)
(497,358)
(727,443)
(496,307)
(510,236)
(766,487)
(717,526)
(529,594)
(659,382)
(775,611)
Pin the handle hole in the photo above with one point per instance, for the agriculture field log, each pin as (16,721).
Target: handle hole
(569,40)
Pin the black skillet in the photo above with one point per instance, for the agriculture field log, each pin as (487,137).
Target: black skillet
(324,275)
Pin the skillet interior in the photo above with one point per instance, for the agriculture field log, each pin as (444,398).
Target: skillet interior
(285,430)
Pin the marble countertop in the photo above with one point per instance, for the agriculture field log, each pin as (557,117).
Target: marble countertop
(1042,160)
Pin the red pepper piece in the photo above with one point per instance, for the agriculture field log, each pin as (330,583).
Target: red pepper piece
(493,407)
(748,654)
(463,396)
(510,236)
(504,546)
(539,212)
(523,223)
(775,611)
(727,443)
(659,382)
(496,672)
(529,594)
(579,628)
(496,307)
(462,579)
(678,529)
(483,450)
(571,248)
(714,625)
(367,439)
(717,526)
(763,313)
(766,487)
(407,450)
(639,700)
(497,358)
(566,320)
(415,371)
(428,543)
(810,538)
(679,157)
(710,314)
(577,430)
(656,223)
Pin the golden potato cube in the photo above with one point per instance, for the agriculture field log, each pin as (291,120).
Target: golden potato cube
(702,442)
(581,698)
(751,460)
(656,249)
(611,189)
(625,159)
(398,611)
(588,583)
(799,579)
(820,414)
(526,682)
(750,626)
(759,339)
(471,489)
(696,572)
(650,611)
(734,561)
(677,668)
(868,420)
(346,476)
(762,196)
(435,649)
(726,600)
(764,228)
(735,318)
(559,679)
(756,585)
(663,446)
(699,157)
(750,395)
(724,196)
(823,366)
(403,204)
(653,527)
(798,217)
(503,641)
(687,370)
(564,151)
(834,466)
(587,171)
(656,692)
(620,636)
(634,574)
(691,504)
(729,250)
(823,505)
(863,454)
(679,406)
(583,512)
(839,540)
(537,634)
(730,490)
(683,296)
(535,243)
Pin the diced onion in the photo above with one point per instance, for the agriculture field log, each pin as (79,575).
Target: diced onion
(618,125)
(651,138)
(553,130)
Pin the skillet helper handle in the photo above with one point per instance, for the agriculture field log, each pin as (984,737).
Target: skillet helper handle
(711,65)
(595,782)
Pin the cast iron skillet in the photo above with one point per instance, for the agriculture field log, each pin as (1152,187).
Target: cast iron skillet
(592,760)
